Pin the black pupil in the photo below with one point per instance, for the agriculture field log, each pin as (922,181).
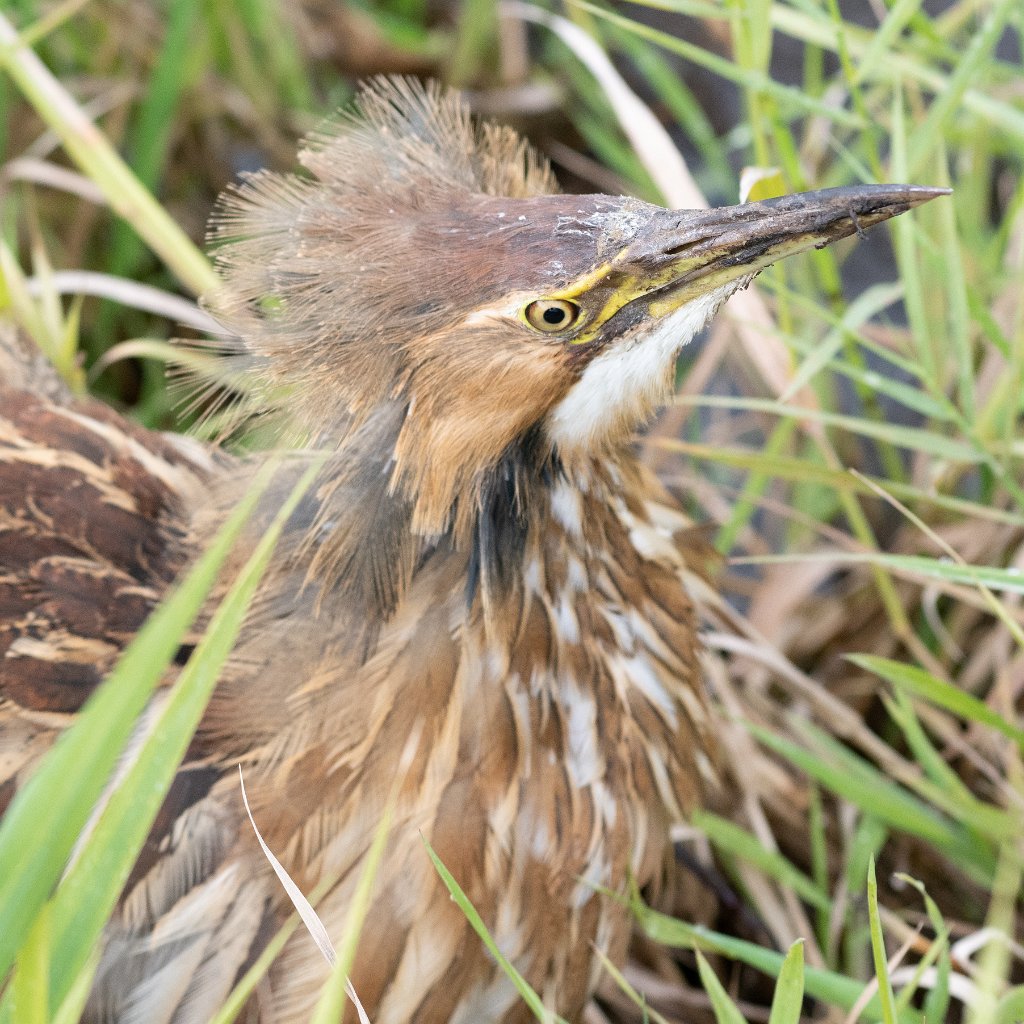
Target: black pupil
(553,315)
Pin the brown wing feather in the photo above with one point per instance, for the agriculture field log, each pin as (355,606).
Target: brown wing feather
(92,531)
(94,525)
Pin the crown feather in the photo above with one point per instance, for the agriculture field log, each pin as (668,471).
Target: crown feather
(402,133)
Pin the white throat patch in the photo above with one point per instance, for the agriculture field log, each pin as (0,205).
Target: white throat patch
(628,382)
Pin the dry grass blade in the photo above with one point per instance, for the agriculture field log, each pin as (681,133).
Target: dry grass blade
(128,293)
(309,916)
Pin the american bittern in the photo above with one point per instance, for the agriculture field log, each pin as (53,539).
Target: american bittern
(482,560)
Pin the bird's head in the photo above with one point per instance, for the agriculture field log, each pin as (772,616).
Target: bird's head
(423,280)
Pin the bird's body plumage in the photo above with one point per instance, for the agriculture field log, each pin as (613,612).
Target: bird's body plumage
(559,731)
(483,600)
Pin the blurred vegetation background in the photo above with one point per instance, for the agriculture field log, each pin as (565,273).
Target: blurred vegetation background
(853,430)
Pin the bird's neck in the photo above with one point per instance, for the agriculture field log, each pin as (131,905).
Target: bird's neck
(529,505)
(531,527)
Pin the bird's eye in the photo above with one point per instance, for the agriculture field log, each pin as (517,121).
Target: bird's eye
(551,314)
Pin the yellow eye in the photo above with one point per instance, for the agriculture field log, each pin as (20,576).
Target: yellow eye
(551,314)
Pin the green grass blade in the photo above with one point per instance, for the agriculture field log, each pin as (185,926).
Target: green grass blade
(936,1002)
(859,312)
(271,27)
(532,1000)
(801,469)
(71,1010)
(150,133)
(732,839)
(1010,1009)
(637,998)
(938,692)
(28,990)
(937,951)
(788,1001)
(885,994)
(724,1008)
(885,38)
(1009,580)
(228,1012)
(789,98)
(901,711)
(912,438)
(863,785)
(955,289)
(948,101)
(811,26)
(965,818)
(331,1004)
(829,986)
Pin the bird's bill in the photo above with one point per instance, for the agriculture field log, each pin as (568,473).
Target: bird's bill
(686,253)
(678,256)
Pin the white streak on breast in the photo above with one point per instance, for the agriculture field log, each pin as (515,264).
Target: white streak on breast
(646,680)
(537,834)
(605,803)
(583,762)
(653,543)
(567,624)
(486,1003)
(598,873)
(576,574)
(429,950)
(532,576)
(567,509)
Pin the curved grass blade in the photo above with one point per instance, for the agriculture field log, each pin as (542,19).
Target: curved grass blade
(723,1007)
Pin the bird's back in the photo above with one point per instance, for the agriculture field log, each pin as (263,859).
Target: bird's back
(97,519)
(92,531)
